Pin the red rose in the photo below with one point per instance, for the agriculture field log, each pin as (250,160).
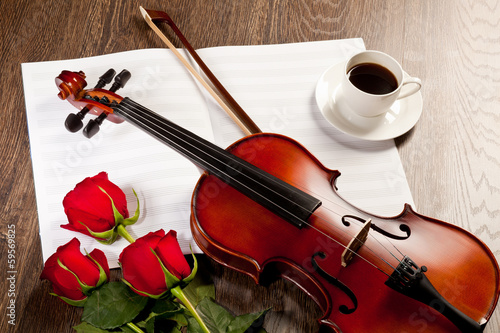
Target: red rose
(74,275)
(96,207)
(154,264)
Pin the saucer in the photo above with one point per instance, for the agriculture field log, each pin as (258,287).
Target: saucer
(398,120)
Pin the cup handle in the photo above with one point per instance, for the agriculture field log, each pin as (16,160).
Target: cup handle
(417,84)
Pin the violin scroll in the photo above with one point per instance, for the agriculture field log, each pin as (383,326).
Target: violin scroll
(96,101)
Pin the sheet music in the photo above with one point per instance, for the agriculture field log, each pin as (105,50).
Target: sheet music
(274,84)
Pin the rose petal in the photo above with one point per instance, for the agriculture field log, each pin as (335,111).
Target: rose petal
(141,268)
(65,284)
(80,220)
(87,197)
(100,257)
(71,257)
(170,253)
(119,198)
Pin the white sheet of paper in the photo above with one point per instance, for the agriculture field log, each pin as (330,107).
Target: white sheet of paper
(274,84)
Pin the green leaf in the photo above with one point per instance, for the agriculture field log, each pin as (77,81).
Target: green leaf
(161,311)
(113,305)
(214,316)
(147,325)
(193,326)
(180,319)
(87,328)
(195,293)
(166,308)
(219,320)
(241,323)
(174,324)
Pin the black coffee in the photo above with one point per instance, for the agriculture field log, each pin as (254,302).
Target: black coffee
(373,78)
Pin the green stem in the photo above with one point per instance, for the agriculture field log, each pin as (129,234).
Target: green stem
(177,292)
(134,328)
(124,233)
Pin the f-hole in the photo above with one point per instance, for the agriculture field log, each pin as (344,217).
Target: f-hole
(403,227)
(344,309)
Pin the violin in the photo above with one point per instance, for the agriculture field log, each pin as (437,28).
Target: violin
(268,208)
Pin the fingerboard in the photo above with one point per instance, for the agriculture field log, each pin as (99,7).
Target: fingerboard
(283,199)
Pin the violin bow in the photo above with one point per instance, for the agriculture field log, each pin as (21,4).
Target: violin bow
(238,115)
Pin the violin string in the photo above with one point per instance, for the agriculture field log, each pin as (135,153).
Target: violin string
(138,112)
(374,236)
(397,249)
(357,254)
(390,252)
(369,235)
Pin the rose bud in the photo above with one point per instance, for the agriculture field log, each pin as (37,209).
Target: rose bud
(155,264)
(98,208)
(73,275)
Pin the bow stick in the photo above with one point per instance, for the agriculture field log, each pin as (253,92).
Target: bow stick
(237,114)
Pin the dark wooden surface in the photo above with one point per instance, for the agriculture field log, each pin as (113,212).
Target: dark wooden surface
(451,158)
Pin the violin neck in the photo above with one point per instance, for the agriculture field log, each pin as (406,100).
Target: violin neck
(281,198)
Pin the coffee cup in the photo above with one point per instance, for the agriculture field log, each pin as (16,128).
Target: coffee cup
(372,81)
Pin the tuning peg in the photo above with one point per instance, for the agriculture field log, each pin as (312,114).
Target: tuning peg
(105,78)
(120,80)
(94,125)
(74,122)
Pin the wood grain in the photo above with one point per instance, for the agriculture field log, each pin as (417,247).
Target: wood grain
(451,157)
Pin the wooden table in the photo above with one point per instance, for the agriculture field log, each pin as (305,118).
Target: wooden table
(451,157)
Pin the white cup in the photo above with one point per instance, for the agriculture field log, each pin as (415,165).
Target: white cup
(369,102)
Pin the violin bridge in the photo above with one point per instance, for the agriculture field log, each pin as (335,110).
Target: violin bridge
(355,244)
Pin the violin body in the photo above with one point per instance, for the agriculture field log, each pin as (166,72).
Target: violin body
(239,233)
